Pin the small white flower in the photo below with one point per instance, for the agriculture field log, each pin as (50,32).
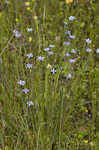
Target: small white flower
(25,90)
(51,46)
(29,29)
(40,58)
(49,66)
(67,54)
(74,51)
(50,53)
(29,66)
(72,60)
(88,41)
(21,82)
(91,143)
(72,18)
(97,50)
(88,50)
(66,43)
(46,49)
(72,36)
(53,70)
(30,103)
(29,55)
(17,33)
(69,76)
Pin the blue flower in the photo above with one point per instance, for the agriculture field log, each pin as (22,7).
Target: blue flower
(88,50)
(72,60)
(53,71)
(88,41)
(29,55)
(97,50)
(21,82)
(25,90)
(69,76)
(50,53)
(74,51)
(72,36)
(68,32)
(46,49)
(17,33)
(72,18)
(40,58)
(66,43)
(30,103)
(67,54)
(29,66)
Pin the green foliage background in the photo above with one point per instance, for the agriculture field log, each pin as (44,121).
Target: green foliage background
(65,113)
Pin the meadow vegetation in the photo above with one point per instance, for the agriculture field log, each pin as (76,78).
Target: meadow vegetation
(49,75)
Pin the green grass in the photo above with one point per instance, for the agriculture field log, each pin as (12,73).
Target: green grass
(65,110)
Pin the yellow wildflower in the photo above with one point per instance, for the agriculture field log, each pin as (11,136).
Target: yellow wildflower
(30,39)
(6,147)
(16,19)
(86,141)
(35,17)
(86,110)
(69,1)
(27,3)
(28,8)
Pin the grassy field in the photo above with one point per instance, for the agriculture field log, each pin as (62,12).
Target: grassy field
(49,75)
